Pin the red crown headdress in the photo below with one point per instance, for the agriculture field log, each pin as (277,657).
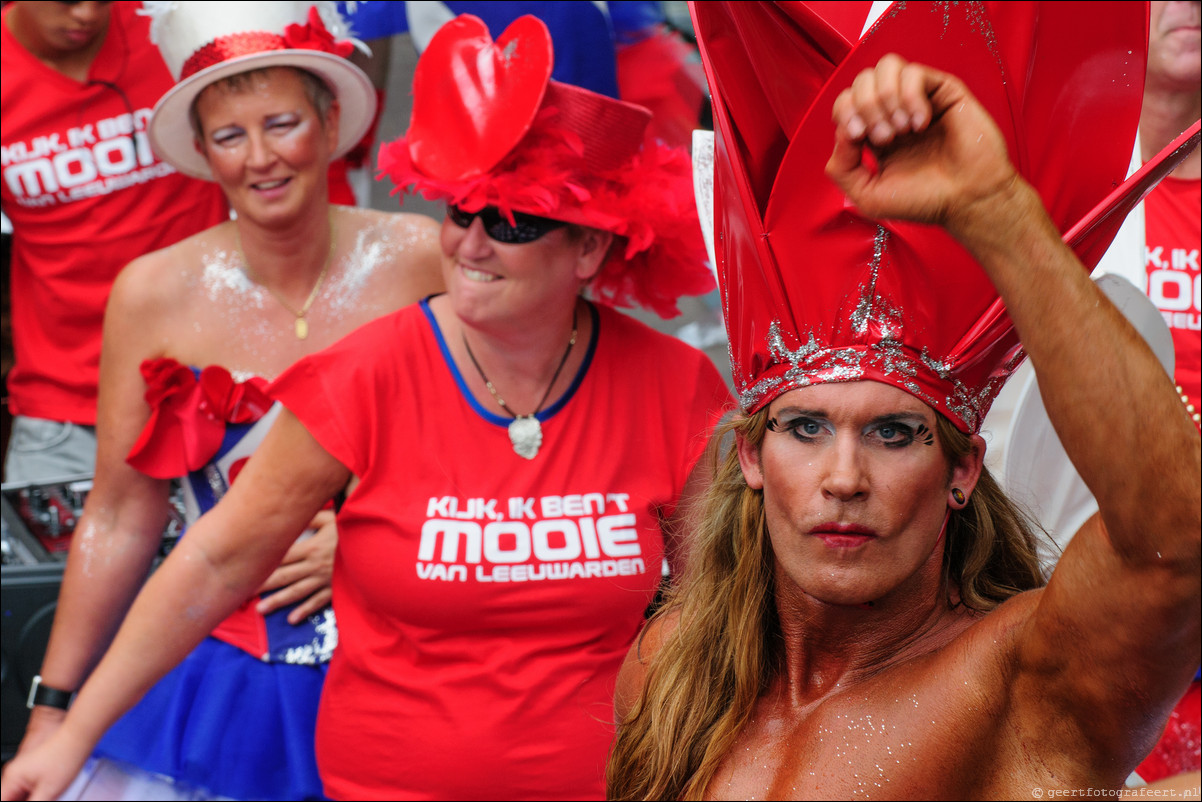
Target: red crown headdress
(815,293)
(489,128)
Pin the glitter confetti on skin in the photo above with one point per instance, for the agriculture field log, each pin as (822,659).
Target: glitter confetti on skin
(224,279)
(86,540)
(374,244)
(372,249)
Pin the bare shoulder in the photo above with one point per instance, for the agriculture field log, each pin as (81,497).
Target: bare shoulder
(646,646)
(396,254)
(416,225)
(1003,625)
(399,233)
(1008,720)
(158,282)
(1030,713)
(657,630)
(151,311)
(966,671)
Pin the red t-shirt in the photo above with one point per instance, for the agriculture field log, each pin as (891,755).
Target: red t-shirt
(1173,215)
(84,201)
(485,601)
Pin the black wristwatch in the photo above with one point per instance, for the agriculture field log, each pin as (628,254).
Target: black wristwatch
(40,694)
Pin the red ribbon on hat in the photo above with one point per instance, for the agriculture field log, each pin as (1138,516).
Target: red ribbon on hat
(313,35)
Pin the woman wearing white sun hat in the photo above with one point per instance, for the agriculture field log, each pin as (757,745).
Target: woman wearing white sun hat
(265,99)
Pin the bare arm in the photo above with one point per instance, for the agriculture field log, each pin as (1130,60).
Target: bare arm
(633,673)
(124,515)
(227,554)
(1117,629)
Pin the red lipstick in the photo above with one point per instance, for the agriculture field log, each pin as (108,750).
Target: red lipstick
(843,536)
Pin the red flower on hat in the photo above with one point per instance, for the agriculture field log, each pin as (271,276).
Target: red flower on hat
(315,36)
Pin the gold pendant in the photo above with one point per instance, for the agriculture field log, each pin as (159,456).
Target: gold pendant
(302,328)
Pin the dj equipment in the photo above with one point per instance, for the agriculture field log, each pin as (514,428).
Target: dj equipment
(37,521)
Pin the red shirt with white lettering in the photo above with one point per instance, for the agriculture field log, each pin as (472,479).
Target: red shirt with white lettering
(84,201)
(485,601)
(1173,215)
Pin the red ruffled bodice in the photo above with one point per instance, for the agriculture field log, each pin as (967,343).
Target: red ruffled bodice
(188,415)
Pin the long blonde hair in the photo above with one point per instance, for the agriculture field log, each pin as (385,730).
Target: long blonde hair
(723,644)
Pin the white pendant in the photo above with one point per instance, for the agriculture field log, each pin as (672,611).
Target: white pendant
(526,434)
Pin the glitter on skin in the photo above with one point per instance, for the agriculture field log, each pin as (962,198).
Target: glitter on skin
(375,247)
(85,537)
(372,248)
(237,303)
(195,612)
(224,278)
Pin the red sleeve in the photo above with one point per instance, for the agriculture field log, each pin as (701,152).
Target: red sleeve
(342,394)
(304,390)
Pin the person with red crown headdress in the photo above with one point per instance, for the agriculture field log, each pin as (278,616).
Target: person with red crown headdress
(518,454)
(862,612)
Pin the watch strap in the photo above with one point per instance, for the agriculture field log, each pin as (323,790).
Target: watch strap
(42,694)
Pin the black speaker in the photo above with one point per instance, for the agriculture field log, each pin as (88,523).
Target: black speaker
(38,521)
(28,597)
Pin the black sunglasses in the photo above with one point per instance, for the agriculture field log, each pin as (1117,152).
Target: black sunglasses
(525,228)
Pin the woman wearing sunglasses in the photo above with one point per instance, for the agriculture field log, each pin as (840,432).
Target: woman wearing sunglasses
(517,453)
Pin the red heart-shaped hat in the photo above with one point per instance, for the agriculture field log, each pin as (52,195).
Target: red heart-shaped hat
(474,99)
(489,128)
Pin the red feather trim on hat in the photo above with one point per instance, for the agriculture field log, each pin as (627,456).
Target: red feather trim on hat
(490,128)
(648,201)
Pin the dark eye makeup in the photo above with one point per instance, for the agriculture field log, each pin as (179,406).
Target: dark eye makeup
(890,432)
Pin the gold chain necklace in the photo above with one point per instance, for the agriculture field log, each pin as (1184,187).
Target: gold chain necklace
(301,326)
(525,432)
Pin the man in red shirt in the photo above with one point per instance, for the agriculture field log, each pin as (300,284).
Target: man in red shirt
(1173,211)
(1173,236)
(85,195)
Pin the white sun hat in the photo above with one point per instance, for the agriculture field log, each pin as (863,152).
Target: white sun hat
(203,42)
